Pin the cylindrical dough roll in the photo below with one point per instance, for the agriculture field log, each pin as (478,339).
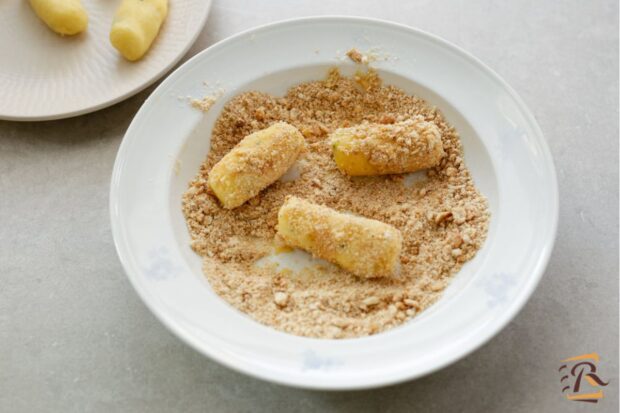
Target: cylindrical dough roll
(365,247)
(62,16)
(135,26)
(377,149)
(256,162)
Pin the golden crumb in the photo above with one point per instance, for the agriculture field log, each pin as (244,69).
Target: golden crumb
(443,218)
(355,55)
(368,80)
(203,104)
(369,56)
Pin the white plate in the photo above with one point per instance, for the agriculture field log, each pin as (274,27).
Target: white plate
(45,76)
(504,148)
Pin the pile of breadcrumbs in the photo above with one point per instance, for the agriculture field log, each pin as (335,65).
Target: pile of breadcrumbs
(443,218)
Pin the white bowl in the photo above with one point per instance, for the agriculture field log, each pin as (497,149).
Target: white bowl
(504,149)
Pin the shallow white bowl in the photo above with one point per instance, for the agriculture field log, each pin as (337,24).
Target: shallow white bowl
(504,149)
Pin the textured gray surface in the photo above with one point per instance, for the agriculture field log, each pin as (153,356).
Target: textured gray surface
(75,337)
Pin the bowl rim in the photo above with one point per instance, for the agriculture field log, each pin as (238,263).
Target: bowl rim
(213,352)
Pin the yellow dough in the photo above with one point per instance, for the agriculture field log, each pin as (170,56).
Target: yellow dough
(135,26)
(62,16)
(259,160)
(376,149)
(365,247)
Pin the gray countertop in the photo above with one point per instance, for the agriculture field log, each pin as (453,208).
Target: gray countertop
(75,337)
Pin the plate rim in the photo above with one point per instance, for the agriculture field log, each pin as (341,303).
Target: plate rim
(378,381)
(134,91)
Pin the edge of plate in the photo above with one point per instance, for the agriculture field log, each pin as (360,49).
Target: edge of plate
(124,96)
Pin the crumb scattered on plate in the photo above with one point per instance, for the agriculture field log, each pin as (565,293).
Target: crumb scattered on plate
(205,103)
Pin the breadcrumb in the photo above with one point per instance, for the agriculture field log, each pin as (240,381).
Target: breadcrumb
(443,218)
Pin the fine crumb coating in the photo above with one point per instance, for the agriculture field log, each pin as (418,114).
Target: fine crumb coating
(442,217)
(366,247)
(378,149)
(256,162)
